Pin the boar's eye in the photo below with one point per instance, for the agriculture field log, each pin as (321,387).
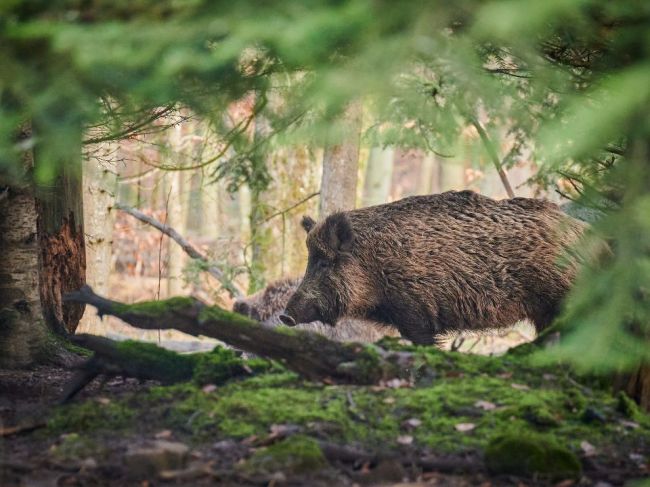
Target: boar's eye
(322,264)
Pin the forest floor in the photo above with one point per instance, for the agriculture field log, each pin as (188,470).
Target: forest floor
(465,420)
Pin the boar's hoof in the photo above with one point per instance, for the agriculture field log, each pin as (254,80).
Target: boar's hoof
(287,320)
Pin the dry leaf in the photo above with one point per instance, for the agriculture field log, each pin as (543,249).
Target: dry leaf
(405,439)
(164,434)
(464,427)
(412,423)
(520,387)
(485,405)
(588,449)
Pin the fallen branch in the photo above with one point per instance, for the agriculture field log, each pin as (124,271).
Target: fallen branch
(187,247)
(21,429)
(144,361)
(310,355)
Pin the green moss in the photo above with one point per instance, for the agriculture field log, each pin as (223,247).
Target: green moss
(155,308)
(531,455)
(90,416)
(73,446)
(214,313)
(222,364)
(286,330)
(525,398)
(626,406)
(298,454)
(365,367)
(538,413)
(159,361)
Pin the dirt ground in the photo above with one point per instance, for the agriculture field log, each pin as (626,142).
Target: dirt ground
(36,459)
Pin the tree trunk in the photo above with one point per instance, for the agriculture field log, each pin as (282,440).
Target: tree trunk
(338,190)
(452,175)
(99,191)
(22,328)
(175,219)
(259,234)
(43,257)
(62,264)
(379,175)
(430,175)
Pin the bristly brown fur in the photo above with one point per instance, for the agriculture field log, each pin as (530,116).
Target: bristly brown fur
(428,265)
(267,305)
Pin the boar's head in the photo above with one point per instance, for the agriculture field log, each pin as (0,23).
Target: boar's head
(333,278)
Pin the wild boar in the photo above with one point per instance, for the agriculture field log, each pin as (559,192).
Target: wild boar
(266,306)
(430,265)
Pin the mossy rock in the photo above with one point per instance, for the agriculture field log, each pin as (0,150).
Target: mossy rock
(531,456)
(298,454)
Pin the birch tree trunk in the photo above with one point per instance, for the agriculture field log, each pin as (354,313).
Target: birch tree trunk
(42,257)
(379,174)
(338,188)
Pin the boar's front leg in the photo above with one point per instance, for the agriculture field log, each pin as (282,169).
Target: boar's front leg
(420,333)
(413,323)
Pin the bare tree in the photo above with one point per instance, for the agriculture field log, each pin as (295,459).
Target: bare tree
(341,166)
(379,174)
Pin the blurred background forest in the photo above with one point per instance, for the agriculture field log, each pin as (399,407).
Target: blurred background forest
(172,176)
(224,121)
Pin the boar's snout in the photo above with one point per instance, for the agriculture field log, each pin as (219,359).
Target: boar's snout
(300,310)
(287,320)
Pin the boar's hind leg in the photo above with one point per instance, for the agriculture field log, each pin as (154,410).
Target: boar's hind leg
(543,318)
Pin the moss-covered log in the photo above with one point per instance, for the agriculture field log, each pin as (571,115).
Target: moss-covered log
(312,356)
(147,361)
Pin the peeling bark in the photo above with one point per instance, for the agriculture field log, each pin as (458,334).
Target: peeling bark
(62,269)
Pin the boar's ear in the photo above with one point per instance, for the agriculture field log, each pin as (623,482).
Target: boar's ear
(307,223)
(340,235)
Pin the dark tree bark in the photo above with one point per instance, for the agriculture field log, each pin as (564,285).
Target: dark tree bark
(61,241)
(42,256)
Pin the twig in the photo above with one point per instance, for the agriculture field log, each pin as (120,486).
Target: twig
(189,249)
(492,152)
(21,428)
(457,343)
(133,129)
(287,210)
